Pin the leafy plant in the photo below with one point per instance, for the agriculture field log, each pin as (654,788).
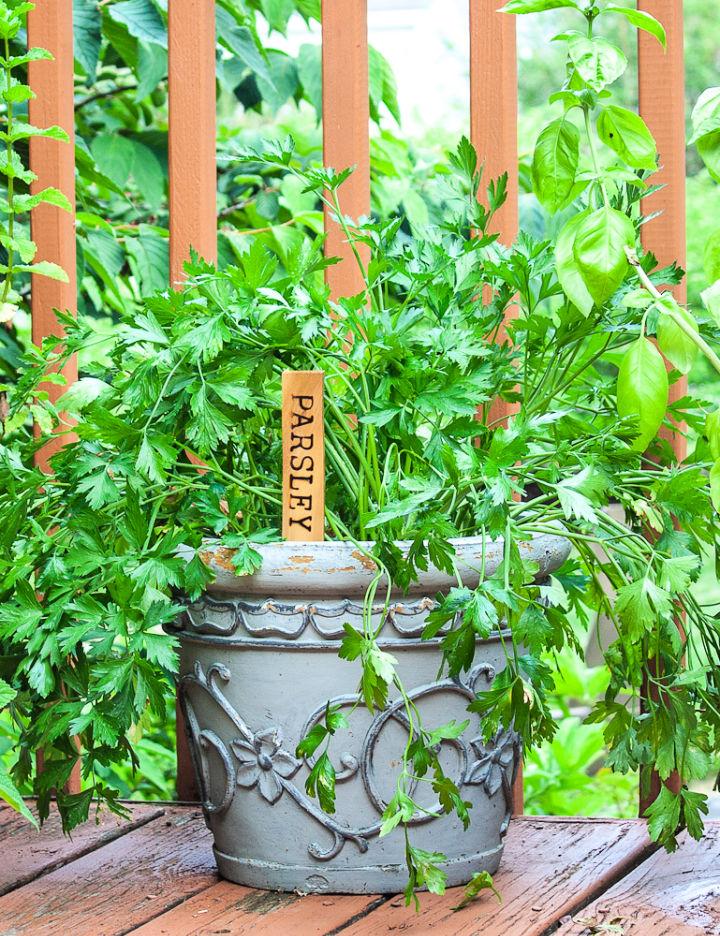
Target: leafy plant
(121,124)
(568,775)
(90,571)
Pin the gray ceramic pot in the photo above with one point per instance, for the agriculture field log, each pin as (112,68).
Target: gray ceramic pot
(258,664)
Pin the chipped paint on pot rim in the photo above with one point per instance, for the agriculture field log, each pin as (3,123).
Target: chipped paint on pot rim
(339,567)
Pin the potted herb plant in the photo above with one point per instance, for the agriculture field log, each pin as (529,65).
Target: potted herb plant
(341,694)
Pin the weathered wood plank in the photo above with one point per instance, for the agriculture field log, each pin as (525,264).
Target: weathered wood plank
(229,908)
(550,867)
(29,853)
(117,887)
(668,895)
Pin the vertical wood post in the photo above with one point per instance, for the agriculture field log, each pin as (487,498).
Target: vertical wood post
(50,26)
(193,190)
(494,104)
(493,133)
(191,136)
(346,119)
(661,92)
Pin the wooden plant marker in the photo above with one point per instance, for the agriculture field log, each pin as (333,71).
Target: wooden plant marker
(303,439)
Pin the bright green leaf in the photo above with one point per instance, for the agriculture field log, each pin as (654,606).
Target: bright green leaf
(567,267)
(597,61)
(537,6)
(555,163)
(715,485)
(641,20)
(626,132)
(674,343)
(141,18)
(642,389)
(86,35)
(599,250)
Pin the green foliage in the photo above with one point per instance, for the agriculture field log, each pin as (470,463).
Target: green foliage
(121,151)
(480,881)
(569,775)
(643,389)
(197,375)
(98,557)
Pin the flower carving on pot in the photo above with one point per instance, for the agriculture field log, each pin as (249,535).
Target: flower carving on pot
(494,759)
(263,763)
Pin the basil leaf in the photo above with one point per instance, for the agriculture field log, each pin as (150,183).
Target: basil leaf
(641,20)
(706,114)
(626,132)
(597,61)
(706,130)
(712,431)
(677,347)
(555,163)
(568,271)
(708,147)
(537,6)
(599,250)
(642,389)
(715,485)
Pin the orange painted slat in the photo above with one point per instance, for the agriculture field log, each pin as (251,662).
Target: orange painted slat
(493,104)
(661,93)
(346,120)
(193,188)
(53,161)
(493,133)
(662,105)
(50,26)
(191,142)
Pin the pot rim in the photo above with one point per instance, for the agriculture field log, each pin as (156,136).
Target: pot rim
(342,567)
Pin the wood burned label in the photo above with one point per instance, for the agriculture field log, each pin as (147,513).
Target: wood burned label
(303,456)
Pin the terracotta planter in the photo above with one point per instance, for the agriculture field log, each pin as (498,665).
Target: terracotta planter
(258,664)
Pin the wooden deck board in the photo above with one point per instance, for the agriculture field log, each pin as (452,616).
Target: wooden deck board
(118,886)
(228,908)
(156,877)
(550,868)
(668,895)
(29,853)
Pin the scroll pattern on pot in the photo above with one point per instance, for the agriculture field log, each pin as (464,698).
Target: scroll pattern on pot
(261,760)
(259,619)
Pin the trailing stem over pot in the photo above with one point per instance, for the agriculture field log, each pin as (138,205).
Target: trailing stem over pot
(90,570)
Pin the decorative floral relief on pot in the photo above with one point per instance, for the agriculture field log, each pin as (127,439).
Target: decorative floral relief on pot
(258,760)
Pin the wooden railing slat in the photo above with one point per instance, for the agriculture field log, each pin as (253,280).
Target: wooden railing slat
(493,133)
(661,95)
(50,27)
(346,125)
(191,137)
(494,104)
(192,190)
